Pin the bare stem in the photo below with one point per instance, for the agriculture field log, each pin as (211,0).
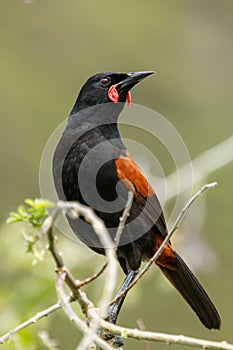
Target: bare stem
(166,338)
(123,218)
(123,331)
(90,311)
(92,278)
(190,202)
(32,320)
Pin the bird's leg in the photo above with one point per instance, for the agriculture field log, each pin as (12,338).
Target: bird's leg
(114,309)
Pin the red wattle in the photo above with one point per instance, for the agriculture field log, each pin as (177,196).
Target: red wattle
(114,96)
(113,93)
(128,97)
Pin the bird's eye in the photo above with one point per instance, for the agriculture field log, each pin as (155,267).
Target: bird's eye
(105,81)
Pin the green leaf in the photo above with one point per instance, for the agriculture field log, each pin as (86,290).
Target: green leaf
(39,203)
(13,217)
(33,214)
(22,210)
(30,202)
(11,220)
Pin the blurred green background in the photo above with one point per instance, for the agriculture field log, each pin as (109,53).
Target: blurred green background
(48,49)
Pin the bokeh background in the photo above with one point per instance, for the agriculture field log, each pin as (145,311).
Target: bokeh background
(48,49)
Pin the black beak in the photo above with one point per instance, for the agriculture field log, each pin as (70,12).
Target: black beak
(133,79)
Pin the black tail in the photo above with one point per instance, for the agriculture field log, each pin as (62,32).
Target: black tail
(189,287)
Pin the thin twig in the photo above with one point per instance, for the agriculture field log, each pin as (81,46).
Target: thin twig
(45,339)
(57,256)
(52,247)
(32,320)
(142,327)
(123,218)
(166,239)
(190,202)
(92,278)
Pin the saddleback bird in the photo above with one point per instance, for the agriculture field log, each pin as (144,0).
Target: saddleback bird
(92,165)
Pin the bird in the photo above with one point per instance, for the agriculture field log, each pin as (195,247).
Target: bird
(92,165)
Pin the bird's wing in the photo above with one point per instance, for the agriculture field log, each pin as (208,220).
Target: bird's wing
(144,195)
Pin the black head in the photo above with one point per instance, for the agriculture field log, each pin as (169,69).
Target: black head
(107,87)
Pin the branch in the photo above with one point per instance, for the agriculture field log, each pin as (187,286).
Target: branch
(30,321)
(166,338)
(123,218)
(189,203)
(46,312)
(71,282)
(92,278)
(111,271)
(123,331)
(90,311)
(141,326)
(53,248)
(106,241)
(166,239)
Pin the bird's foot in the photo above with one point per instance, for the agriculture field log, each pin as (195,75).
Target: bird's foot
(114,340)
